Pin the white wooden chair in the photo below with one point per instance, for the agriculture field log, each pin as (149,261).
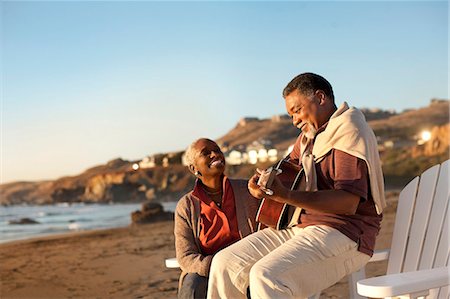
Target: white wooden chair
(172,263)
(418,261)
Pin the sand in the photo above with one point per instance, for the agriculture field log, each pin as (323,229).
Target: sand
(116,263)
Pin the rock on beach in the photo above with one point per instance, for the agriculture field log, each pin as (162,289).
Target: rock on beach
(23,221)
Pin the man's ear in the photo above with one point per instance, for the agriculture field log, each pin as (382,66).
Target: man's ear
(321,96)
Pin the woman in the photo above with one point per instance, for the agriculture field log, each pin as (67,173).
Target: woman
(216,213)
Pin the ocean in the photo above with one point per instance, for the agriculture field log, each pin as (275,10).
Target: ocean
(64,217)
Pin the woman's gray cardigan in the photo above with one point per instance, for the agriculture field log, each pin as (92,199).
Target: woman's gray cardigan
(187,227)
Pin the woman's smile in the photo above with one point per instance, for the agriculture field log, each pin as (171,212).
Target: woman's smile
(216,163)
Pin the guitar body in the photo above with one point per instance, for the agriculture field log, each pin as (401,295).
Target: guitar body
(272,213)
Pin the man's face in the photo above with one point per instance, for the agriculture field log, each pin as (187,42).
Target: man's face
(303,110)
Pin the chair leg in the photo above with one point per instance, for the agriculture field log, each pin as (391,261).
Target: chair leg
(417,295)
(353,279)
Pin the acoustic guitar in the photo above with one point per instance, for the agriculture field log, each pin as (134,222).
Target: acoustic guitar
(272,213)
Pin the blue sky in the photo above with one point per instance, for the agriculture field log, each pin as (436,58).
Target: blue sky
(86,82)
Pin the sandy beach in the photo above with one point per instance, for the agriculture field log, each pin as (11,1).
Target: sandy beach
(116,263)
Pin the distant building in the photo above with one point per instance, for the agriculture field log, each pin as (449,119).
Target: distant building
(147,162)
(161,160)
(280,117)
(234,157)
(252,156)
(257,151)
(172,159)
(245,120)
(388,144)
(272,154)
(165,162)
(377,113)
(437,101)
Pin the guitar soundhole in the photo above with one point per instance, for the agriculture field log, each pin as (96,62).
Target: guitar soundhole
(284,221)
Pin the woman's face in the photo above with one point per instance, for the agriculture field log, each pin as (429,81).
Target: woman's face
(209,159)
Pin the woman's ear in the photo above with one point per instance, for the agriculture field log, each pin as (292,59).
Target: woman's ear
(192,168)
(194,171)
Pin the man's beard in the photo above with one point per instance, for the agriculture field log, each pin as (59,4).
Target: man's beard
(310,131)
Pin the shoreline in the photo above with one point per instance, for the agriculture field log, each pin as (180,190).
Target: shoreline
(27,222)
(62,235)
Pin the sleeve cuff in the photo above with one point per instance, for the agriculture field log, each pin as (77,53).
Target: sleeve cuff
(361,193)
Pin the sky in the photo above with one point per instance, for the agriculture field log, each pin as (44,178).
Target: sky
(86,82)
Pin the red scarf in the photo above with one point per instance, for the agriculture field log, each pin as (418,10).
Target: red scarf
(218,227)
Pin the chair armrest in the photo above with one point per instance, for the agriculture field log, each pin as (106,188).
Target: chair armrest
(404,283)
(380,255)
(172,263)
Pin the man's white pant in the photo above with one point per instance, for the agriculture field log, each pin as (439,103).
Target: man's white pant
(290,263)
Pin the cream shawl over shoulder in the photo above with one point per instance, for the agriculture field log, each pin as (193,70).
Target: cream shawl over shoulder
(348,131)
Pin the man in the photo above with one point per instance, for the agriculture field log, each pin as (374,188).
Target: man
(340,215)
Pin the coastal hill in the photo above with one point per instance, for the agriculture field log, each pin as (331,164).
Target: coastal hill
(398,137)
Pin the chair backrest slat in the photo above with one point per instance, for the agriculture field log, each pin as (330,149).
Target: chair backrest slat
(443,251)
(442,254)
(422,209)
(444,293)
(401,228)
(437,218)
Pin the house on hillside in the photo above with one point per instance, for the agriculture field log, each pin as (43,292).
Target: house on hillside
(394,143)
(257,151)
(245,120)
(161,160)
(438,101)
(172,159)
(235,157)
(280,117)
(147,162)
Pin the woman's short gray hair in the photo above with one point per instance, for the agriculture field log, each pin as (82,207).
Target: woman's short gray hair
(189,154)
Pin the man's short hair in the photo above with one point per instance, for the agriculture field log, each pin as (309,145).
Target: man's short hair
(307,84)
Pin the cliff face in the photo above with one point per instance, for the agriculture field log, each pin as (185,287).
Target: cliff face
(98,188)
(105,186)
